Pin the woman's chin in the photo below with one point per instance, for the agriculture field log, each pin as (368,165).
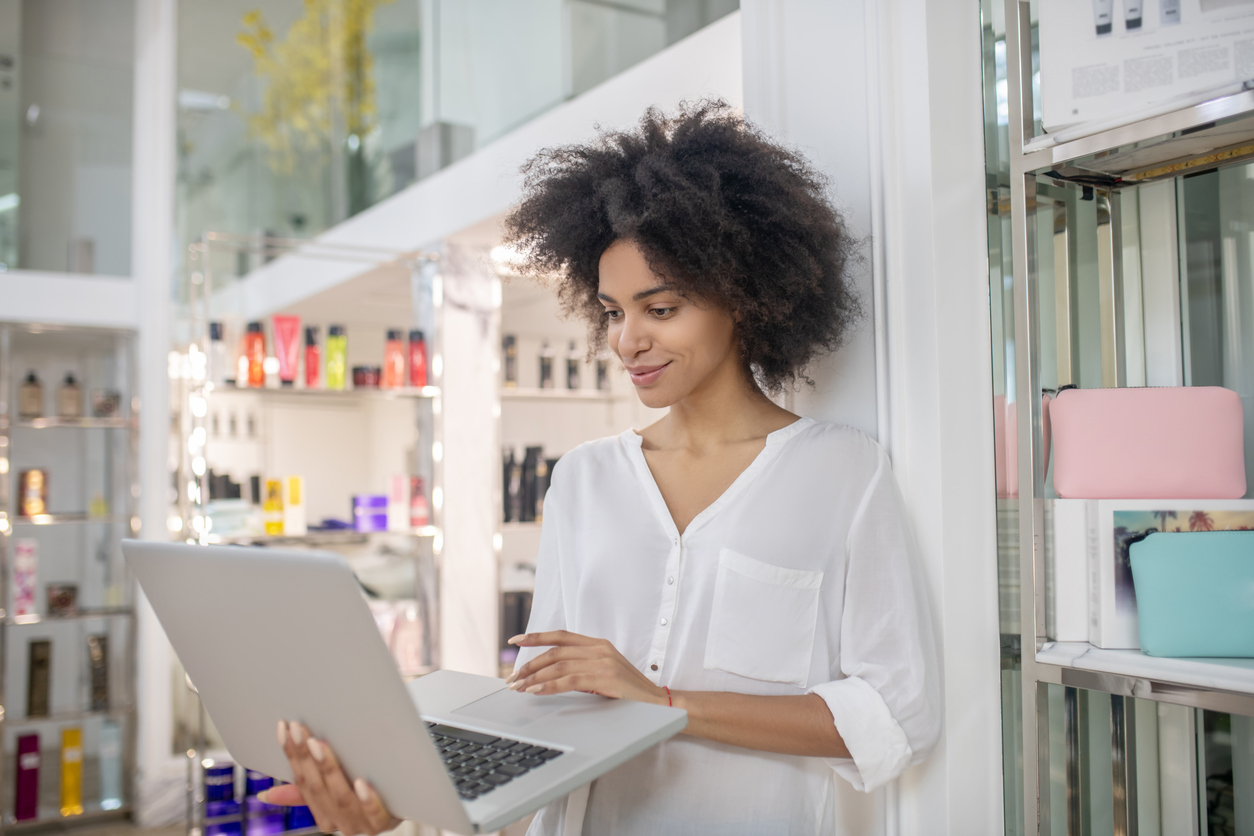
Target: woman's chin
(656,398)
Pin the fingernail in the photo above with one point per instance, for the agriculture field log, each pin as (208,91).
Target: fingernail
(517,639)
(534,689)
(264,796)
(511,677)
(298,733)
(514,686)
(363,791)
(315,749)
(282,733)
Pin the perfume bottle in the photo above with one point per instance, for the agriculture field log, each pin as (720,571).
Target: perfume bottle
(546,366)
(30,398)
(70,398)
(313,358)
(26,804)
(573,361)
(110,765)
(272,508)
(220,371)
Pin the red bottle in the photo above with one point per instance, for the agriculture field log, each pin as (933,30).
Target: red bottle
(393,361)
(417,359)
(313,358)
(255,351)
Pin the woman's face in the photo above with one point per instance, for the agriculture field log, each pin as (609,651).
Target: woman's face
(669,344)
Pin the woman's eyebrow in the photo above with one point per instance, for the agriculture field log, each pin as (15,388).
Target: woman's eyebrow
(644,294)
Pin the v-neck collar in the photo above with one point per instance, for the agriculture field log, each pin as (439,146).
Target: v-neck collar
(634,443)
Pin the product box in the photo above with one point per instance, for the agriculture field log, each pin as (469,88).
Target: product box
(1109,527)
(1067,613)
(295,523)
(1101,59)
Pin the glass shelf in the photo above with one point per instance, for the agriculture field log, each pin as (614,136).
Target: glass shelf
(66,423)
(69,717)
(316,538)
(68,519)
(331,394)
(1232,675)
(516,394)
(36,618)
(91,810)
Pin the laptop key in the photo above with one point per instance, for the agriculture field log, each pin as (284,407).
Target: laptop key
(509,769)
(519,748)
(533,751)
(462,734)
(549,754)
(513,759)
(477,774)
(497,755)
(532,763)
(497,778)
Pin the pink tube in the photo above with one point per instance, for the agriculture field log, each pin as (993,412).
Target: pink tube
(287,346)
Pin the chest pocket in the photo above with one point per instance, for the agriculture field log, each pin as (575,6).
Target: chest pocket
(763,620)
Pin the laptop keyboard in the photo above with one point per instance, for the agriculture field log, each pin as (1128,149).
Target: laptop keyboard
(479,763)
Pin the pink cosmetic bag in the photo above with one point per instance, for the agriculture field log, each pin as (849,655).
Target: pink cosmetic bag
(1155,443)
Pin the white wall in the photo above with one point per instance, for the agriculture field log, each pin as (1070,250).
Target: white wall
(884,98)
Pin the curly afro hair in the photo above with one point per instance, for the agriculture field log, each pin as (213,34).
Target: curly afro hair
(724,214)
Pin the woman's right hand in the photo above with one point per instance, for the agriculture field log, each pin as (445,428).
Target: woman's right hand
(336,801)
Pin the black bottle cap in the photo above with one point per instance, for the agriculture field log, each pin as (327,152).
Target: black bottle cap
(30,377)
(416,336)
(215,331)
(311,335)
(69,379)
(335,331)
(254,328)
(395,334)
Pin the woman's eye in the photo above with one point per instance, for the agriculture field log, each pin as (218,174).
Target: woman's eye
(613,316)
(661,312)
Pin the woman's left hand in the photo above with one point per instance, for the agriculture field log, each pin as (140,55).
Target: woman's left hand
(581,663)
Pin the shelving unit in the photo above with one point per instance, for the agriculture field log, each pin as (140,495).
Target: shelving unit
(1045,172)
(342,442)
(88,460)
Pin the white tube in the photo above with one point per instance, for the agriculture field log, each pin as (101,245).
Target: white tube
(1103,14)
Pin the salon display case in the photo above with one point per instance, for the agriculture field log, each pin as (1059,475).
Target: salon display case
(362,456)
(1119,255)
(68,496)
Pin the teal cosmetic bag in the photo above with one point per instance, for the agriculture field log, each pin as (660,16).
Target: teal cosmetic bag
(1195,593)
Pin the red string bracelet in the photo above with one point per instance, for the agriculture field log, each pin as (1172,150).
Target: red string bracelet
(669,701)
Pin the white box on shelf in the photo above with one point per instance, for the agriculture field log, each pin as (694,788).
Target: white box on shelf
(1070,594)
(295,523)
(1109,527)
(398,503)
(1101,59)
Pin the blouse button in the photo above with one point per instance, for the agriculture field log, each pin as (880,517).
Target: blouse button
(652,667)
(664,622)
(671,579)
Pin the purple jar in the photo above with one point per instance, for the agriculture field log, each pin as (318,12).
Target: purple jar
(220,782)
(299,818)
(222,818)
(370,512)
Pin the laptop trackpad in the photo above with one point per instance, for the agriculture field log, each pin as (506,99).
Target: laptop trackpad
(512,708)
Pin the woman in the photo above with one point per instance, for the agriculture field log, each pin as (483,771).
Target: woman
(732,559)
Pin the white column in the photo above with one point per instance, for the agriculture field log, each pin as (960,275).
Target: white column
(884,98)
(158,779)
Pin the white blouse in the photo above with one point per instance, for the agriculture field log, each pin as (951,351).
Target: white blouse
(798,579)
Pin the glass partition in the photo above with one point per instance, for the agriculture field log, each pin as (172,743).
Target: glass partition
(296,115)
(66,76)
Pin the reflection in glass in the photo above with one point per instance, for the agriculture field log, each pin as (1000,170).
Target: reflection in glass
(66,76)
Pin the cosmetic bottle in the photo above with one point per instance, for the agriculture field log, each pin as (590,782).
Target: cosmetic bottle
(337,356)
(393,360)
(219,364)
(509,361)
(573,361)
(26,801)
(287,346)
(546,366)
(295,521)
(30,398)
(38,677)
(70,398)
(25,576)
(542,486)
(272,508)
(398,503)
(98,670)
(531,458)
(110,765)
(513,487)
(255,351)
(33,492)
(419,509)
(313,358)
(72,771)
(417,359)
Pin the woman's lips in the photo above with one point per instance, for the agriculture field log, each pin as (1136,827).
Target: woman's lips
(644,375)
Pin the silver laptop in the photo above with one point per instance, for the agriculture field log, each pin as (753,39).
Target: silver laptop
(267,635)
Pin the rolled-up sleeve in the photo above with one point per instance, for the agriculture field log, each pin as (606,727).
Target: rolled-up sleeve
(885,697)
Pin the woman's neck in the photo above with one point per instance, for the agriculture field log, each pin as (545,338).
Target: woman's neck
(726,407)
